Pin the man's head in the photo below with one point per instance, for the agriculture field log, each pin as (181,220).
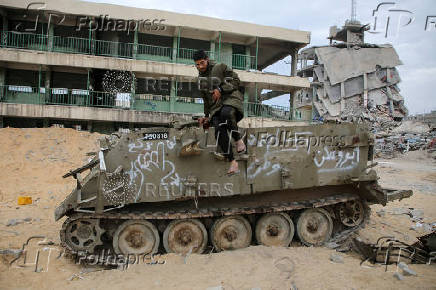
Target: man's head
(201,60)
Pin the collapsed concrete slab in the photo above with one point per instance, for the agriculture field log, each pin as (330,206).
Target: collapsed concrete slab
(350,80)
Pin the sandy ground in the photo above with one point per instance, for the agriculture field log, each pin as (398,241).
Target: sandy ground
(34,160)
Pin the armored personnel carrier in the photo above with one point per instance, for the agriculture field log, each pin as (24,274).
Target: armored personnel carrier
(167,189)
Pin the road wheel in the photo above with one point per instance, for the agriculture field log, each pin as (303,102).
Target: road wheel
(185,236)
(136,237)
(231,232)
(314,227)
(275,229)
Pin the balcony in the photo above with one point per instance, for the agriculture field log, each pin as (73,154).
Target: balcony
(19,94)
(137,51)
(266,111)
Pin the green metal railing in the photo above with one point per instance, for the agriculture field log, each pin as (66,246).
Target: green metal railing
(71,45)
(22,94)
(151,52)
(243,62)
(267,111)
(77,45)
(55,96)
(64,97)
(113,49)
(79,97)
(185,55)
(24,40)
(239,61)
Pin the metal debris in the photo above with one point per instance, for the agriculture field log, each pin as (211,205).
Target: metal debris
(388,250)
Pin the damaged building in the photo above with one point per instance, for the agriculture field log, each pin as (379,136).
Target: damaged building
(93,71)
(350,80)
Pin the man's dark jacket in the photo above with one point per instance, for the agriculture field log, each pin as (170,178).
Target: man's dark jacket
(220,76)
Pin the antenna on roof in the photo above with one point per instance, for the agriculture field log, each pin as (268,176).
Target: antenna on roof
(353,10)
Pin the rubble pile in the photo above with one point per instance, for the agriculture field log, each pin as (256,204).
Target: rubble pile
(393,137)
(378,117)
(404,137)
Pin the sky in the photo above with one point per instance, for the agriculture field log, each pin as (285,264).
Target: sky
(406,32)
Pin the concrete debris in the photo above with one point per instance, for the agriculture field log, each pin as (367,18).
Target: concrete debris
(398,276)
(75,277)
(8,256)
(411,127)
(417,213)
(422,227)
(215,288)
(389,145)
(336,258)
(406,270)
(332,245)
(400,210)
(12,252)
(14,222)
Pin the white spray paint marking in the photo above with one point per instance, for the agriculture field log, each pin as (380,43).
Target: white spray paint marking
(343,160)
(152,162)
(340,159)
(267,166)
(275,168)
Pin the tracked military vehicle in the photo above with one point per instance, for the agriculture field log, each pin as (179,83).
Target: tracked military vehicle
(167,189)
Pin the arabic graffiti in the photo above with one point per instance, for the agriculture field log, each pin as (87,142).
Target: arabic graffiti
(325,157)
(342,160)
(152,162)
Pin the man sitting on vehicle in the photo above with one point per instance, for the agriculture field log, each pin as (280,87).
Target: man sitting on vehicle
(223,108)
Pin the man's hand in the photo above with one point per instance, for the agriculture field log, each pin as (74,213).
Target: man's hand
(216,95)
(203,121)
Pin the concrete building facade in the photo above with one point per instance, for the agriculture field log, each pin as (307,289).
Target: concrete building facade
(105,66)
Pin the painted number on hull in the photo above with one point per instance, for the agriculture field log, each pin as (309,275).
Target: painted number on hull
(156,136)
